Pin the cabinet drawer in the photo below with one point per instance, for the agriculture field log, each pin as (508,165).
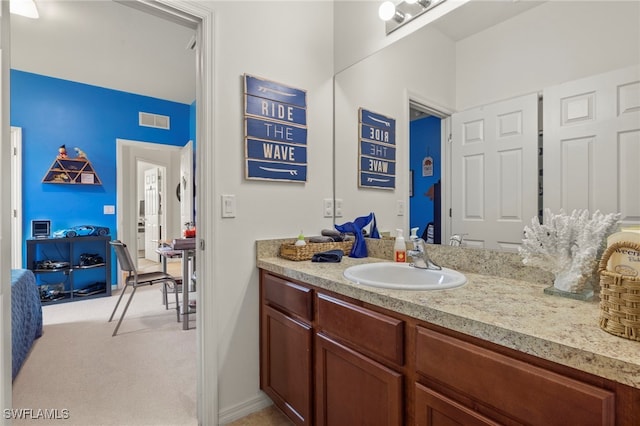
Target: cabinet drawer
(529,394)
(433,409)
(370,331)
(291,297)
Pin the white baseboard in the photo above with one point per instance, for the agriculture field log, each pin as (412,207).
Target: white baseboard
(243,409)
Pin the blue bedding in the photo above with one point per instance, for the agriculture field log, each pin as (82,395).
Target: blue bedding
(26,316)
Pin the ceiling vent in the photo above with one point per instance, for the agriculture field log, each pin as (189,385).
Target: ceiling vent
(158,121)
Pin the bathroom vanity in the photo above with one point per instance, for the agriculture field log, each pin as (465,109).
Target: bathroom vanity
(495,351)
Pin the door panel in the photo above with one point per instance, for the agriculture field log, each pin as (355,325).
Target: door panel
(352,389)
(494,172)
(151,213)
(433,409)
(186,184)
(592,144)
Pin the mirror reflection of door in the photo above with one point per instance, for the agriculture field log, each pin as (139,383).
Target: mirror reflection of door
(152,213)
(494,172)
(429,129)
(424,160)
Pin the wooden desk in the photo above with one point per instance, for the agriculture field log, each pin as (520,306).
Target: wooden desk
(186,258)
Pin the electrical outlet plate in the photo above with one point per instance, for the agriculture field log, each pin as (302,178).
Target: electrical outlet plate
(338,207)
(400,208)
(327,207)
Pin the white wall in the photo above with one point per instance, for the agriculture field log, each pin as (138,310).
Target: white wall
(359,32)
(290,43)
(550,44)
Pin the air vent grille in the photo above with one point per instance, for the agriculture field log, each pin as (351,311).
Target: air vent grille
(158,121)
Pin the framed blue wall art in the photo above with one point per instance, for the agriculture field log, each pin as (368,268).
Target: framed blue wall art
(275,131)
(377,150)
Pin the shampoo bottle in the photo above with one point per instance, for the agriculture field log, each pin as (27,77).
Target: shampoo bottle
(399,249)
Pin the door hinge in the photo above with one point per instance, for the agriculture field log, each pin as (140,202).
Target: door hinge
(202,244)
(450,213)
(450,139)
(15,213)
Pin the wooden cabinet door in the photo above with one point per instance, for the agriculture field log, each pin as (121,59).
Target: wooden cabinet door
(434,409)
(525,393)
(352,389)
(286,374)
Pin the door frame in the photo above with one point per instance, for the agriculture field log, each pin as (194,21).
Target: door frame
(413,100)
(5,220)
(206,318)
(201,18)
(128,154)
(16,197)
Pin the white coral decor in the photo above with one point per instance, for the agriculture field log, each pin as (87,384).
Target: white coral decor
(567,245)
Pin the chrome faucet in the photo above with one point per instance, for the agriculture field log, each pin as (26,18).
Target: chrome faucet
(419,257)
(456,239)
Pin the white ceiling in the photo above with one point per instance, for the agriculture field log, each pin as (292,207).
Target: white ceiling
(478,15)
(106,44)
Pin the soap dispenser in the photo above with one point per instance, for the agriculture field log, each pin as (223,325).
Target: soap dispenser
(400,248)
(300,241)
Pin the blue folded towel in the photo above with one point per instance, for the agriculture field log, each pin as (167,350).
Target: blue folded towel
(334,256)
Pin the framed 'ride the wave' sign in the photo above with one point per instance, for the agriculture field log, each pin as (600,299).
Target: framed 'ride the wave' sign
(275,131)
(377,150)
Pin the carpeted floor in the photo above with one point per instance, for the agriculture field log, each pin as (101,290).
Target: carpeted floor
(146,375)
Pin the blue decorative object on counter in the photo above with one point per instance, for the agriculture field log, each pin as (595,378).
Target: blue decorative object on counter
(359,248)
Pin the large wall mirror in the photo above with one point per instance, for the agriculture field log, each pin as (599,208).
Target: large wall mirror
(480,54)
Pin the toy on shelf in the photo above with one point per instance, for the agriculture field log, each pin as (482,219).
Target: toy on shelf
(71,170)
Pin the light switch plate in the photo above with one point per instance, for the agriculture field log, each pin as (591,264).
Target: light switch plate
(400,208)
(228,206)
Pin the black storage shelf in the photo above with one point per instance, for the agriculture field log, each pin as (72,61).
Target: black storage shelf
(74,282)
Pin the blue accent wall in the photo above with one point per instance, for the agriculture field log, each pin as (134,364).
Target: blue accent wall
(53,112)
(425,141)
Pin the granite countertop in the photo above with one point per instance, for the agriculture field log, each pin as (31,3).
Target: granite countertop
(509,312)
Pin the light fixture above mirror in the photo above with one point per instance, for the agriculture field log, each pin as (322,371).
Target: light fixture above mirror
(26,8)
(396,15)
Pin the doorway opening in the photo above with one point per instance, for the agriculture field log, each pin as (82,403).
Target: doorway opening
(201,19)
(147,213)
(428,136)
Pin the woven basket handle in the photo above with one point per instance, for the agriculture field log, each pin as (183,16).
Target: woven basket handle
(613,247)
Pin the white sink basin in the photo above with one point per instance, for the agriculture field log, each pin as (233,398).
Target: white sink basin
(401,276)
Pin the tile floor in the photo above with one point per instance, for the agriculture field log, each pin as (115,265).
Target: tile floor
(270,416)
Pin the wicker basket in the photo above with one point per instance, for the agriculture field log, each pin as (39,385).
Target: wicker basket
(293,252)
(619,297)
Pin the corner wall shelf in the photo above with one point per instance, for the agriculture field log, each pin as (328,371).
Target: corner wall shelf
(72,170)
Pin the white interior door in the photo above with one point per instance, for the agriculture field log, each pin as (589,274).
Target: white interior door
(186,183)
(592,144)
(494,172)
(152,212)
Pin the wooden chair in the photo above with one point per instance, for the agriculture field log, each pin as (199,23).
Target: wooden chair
(135,280)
